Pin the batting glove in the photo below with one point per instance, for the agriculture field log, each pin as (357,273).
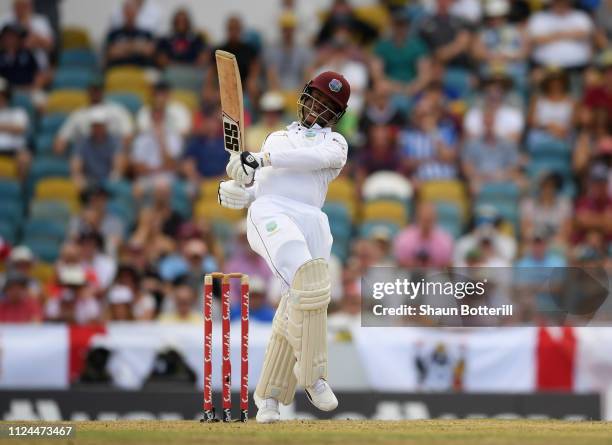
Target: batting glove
(233,196)
(242,168)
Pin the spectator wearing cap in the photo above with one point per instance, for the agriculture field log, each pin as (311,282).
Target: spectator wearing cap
(508,121)
(552,110)
(272,106)
(486,239)
(489,158)
(286,62)
(183,306)
(14,123)
(183,46)
(75,300)
(92,253)
(259,308)
(560,36)
(548,212)
(39,37)
(205,156)
(539,254)
(429,147)
(501,41)
(21,261)
(172,115)
(424,243)
(593,211)
(402,58)
(447,36)
(17,62)
(16,303)
(120,300)
(119,122)
(98,157)
(127,43)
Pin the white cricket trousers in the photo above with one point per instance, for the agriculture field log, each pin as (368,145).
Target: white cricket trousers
(287,233)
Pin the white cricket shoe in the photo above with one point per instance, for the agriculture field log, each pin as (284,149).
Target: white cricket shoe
(321,395)
(267,410)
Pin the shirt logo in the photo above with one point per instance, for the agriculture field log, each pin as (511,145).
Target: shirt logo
(335,85)
(271,226)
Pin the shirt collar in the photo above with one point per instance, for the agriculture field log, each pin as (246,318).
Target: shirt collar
(316,127)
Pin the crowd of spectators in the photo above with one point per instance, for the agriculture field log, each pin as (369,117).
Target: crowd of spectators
(463,91)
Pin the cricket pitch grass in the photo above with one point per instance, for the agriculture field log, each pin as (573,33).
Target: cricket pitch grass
(447,432)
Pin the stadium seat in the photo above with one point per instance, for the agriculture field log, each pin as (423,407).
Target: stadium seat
(385,210)
(44,229)
(368,229)
(126,78)
(23,100)
(339,221)
(132,102)
(65,101)
(12,211)
(449,217)
(44,144)
(121,190)
(181,203)
(342,189)
(387,185)
(52,122)
(8,168)
(55,210)
(8,231)
(459,80)
(187,98)
(43,272)
(209,188)
(9,190)
(123,211)
(72,78)
(75,37)
(184,77)
(499,191)
(45,250)
(58,189)
(453,191)
(77,58)
(46,167)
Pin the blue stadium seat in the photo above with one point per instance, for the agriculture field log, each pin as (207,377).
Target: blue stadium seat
(123,210)
(458,80)
(449,217)
(8,231)
(12,210)
(184,77)
(73,79)
(44,144)
(22,100)
(180,199)
(77,58)
(45,250)
(44,229)
(51,123)
(57,211)
(496,191)
(10,190)
(368,229)
(132,102)
(46,167)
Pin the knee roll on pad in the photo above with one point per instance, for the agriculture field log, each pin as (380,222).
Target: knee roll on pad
(277,379)
(307,320)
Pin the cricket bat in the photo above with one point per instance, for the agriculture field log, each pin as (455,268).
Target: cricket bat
(230,88)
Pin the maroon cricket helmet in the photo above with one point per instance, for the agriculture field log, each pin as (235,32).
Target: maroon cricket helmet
(333,86)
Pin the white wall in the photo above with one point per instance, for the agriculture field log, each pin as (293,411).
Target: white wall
(208,15)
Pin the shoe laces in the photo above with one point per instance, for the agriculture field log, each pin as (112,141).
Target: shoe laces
(319,386)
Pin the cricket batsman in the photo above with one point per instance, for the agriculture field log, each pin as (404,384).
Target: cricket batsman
(284,187)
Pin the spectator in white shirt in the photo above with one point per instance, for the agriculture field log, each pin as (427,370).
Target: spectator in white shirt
(40,37)
(176,117)
(508,121)
(156,154)
(561,36)
(13,127)
(78,125)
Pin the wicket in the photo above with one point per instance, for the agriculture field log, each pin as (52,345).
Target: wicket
(226,368)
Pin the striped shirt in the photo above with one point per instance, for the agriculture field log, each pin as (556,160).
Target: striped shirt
(416,144)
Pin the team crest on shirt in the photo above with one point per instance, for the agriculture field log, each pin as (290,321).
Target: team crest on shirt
(272,227)
(335,85)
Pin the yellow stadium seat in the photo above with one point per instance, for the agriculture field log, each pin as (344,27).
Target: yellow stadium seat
(43,272)
(65,101)
(126,79)
(342,189)
(376,16)
(209,188)
(453,191)
(8,168)
(187,98)
(290,99)
(75,37)
(58,190)
(385,210)
(212,211)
